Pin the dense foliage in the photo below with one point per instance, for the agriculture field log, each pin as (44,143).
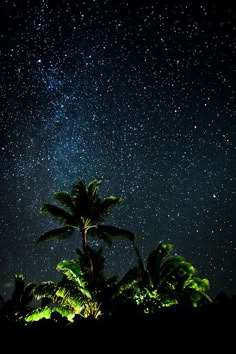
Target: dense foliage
(164,280)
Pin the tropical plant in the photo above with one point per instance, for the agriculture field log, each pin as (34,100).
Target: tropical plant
(19,304)
(84,290)
(69,297)
(83,210)
(167,280)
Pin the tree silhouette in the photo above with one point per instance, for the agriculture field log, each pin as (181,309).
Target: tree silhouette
(167,280)
(17,306)
(83,211)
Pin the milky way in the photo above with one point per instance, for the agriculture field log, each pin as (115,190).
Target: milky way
(140,95)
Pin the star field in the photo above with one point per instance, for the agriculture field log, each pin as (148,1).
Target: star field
(142,95)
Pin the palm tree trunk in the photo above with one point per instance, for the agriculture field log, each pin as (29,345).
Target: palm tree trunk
(85,248)
(84,239)
(140,261)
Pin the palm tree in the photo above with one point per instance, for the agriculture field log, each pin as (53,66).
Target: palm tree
(92,264)
(173,274)
(70,297)
(83,291)
(167,280)
(83,210)
(18,305)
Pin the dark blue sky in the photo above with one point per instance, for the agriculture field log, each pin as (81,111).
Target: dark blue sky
(142,95)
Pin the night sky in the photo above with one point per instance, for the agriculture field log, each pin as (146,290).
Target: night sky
(140,94)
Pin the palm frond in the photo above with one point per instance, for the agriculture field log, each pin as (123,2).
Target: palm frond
(73,272)
(46,312)
(102,236)
(79,300)
(196,288)
(57,213)
(71,269)
(79,192)
(177,267)
(84,211)
(197,283)
(93,188)
(73,299)
(46,290)
(38,314)
(206,296)
(156,257)
(109,203)
(108,232)
(169,269)
(83,205)
(65,200)
(65,312)
(61,233)
(18,288)
(195,296)
(184,272)
(129,280)
(63,295)
(140,263)
(28,294)
(203,284)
